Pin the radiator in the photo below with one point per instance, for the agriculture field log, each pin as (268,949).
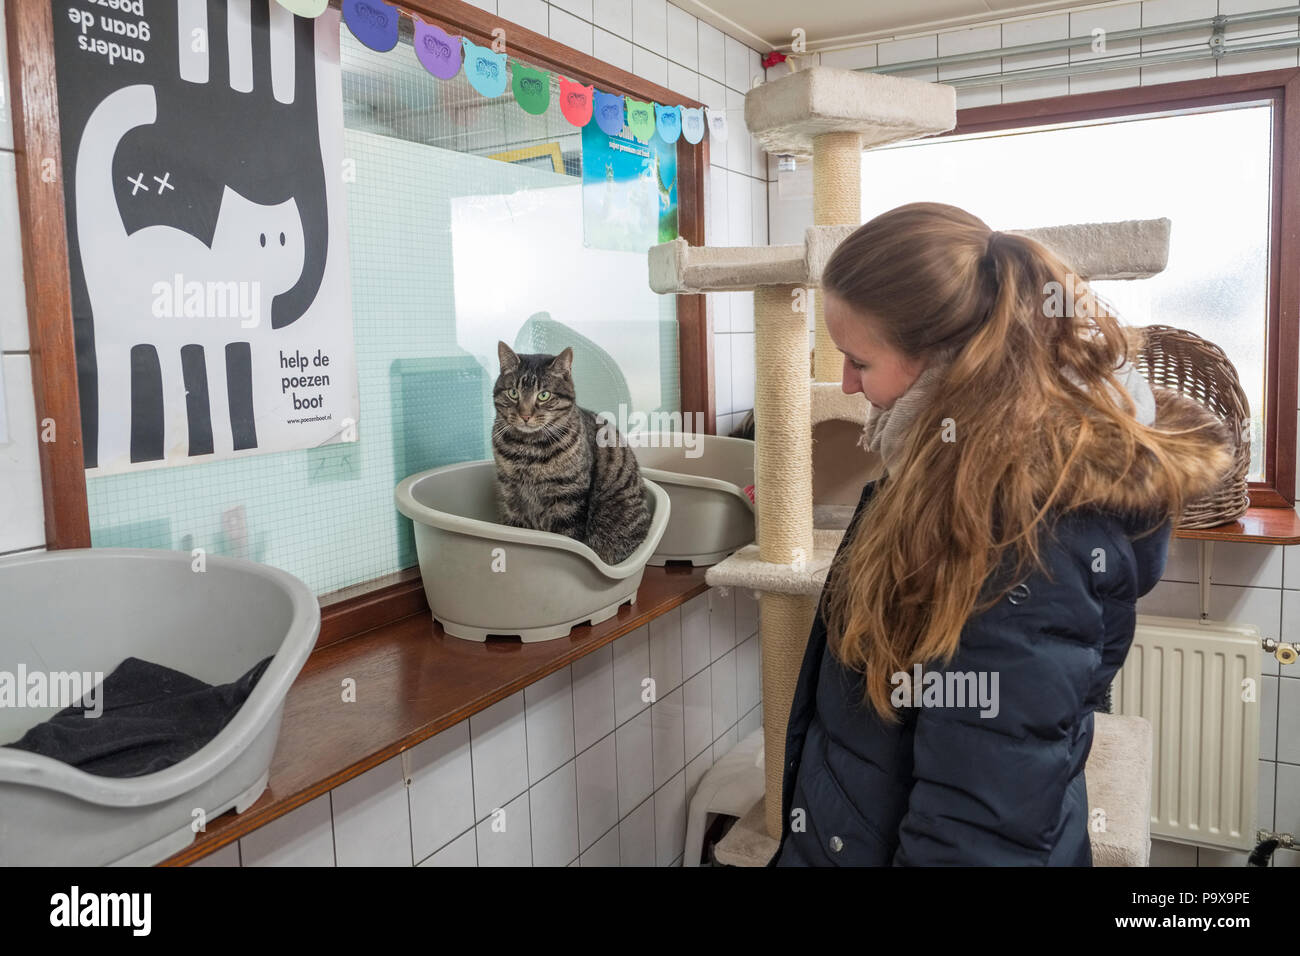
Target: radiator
(1187,679)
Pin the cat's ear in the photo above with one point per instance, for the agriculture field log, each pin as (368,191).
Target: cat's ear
(507,357)
(563,362)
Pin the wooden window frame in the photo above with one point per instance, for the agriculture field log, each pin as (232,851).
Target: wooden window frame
(49,296)
(1282,89)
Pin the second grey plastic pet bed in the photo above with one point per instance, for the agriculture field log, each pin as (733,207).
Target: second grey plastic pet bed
(711,514)
(482,577)
(86,610)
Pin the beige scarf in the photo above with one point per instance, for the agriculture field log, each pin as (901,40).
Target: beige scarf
(886,429)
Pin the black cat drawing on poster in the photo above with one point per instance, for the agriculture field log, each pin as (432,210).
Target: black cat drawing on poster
(191,154)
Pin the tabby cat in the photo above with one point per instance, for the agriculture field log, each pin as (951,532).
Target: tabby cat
(552,475)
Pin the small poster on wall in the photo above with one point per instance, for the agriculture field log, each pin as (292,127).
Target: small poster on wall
(207,241)
(629,190)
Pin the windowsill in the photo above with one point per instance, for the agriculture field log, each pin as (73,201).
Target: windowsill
(1256,526)
(412,681)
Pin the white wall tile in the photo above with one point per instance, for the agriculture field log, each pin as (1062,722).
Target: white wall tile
(683,38)
(913,48)
(722,621)
(1265,60)
(649,65)
(695,771)
(1291,567)
(1286,815)
(1171,599)
(571,31)
(1268,694)
(740,156)
(1248,565)
(605,852)
(1158,12)
(758,221)
(489,5)
(666,652)
(1111,20)
(746,603)
(1264,797)
(13,290)
(749,674)
(667,737)
(1288,719)
(579,8)
(1184,562)
(971,41)
(749,721)
(593,697)
(631,668)
(742,361)
(712,47)
(723,678)
(614,50)
(499,749)
(461,851)
(22,509)
(737,62)
(695,635)
(505,838)
(553,803)
(1039,30)
(597,777)
(726,743)
(739,210)
(722,399)
(1168,853)
(670,820)
(636,835)
(650,25)
(697,712)
(548,713)
(529,14)
(372,821)
(853,58)
(683,80)
(442,789)
(302,837)
(633,741)
(614,16)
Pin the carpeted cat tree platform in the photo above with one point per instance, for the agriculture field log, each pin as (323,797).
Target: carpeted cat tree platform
(832,115)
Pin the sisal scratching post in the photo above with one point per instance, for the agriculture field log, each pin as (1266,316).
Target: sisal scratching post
(783,494)
(837,201)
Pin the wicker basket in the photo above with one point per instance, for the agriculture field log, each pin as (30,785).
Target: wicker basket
(1186,363)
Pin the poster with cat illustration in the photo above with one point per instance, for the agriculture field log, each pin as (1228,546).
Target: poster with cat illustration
(203,179)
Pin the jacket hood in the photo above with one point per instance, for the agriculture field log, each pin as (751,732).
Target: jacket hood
(1199,444)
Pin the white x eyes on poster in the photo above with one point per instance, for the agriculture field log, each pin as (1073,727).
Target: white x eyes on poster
(202,156)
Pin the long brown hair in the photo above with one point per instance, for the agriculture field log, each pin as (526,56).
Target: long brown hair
(1008,442)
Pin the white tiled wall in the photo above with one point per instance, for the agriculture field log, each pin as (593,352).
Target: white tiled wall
(586,766)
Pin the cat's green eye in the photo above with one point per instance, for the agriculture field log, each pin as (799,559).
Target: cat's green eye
(513,393)
(543,396)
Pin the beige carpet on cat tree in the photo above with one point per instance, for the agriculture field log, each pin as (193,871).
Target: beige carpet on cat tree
(832,115)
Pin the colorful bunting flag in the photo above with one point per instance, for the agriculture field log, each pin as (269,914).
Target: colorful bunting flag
(668,121)
(532,88)
(437,51)
(692,124)
(373,22)
(485,70)
(610,113)
(575,102)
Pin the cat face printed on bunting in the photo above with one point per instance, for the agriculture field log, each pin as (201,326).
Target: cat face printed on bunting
(609,113)
(485,70)
(575,102)
(717,124)
(668,121)
(373,22)
(641,119)
(692,124)
(532,88)
(437,50)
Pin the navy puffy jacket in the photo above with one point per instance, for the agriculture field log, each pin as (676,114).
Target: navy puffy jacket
(947,785)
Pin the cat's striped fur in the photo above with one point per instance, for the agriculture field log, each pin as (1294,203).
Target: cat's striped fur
(552,474)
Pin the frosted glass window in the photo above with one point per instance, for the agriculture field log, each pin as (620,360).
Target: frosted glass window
(1206,171)
(451,250)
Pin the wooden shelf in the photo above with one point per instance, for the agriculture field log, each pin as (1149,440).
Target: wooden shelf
(1256,526)
(412,681)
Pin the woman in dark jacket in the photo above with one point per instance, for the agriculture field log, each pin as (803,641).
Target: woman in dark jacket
(982,598)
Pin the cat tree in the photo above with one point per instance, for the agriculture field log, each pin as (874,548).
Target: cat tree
(832,115)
